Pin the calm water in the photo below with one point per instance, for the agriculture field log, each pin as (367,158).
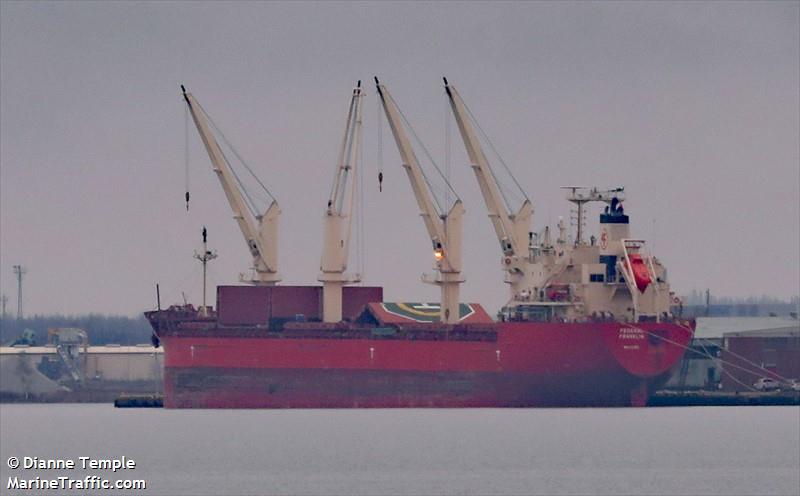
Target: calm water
(717,451)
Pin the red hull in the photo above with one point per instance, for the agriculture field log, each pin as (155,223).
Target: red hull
(524,364)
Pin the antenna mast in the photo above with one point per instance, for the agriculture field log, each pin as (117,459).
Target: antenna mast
(580,196)
(204,258)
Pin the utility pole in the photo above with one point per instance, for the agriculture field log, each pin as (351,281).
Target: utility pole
(708,302)
(204,258)
(20,271)
(4,301)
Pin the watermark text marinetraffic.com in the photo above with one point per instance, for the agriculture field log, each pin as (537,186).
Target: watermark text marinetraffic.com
(65,474)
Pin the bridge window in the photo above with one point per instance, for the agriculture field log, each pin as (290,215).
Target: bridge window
(596,277)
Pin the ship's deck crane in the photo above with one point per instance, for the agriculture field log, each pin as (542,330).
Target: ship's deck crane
(444,229)
(260,230)
(338,216)
(512,229)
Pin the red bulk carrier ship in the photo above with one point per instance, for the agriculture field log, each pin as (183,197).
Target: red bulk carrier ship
(588,323)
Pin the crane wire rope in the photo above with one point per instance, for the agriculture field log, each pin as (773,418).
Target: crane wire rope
(360,254)
(250,203)
(345,158)
(430,159)
(349,153)
(447,148)
(241,160)
(186,152)
(380,148)
(753,364)
(499,157)
(718,360)
(687,348)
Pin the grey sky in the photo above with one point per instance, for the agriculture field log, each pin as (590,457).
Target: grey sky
(694,107)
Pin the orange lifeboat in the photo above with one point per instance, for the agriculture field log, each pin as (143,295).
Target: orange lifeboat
(640,273)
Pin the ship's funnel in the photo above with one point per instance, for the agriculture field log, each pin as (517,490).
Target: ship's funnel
(614,227)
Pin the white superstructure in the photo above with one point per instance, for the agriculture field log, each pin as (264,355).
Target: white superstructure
(612,277)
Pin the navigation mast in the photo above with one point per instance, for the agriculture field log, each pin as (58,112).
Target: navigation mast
(260,231)
(204,257)
(580,196)
(339,214)
(443,229)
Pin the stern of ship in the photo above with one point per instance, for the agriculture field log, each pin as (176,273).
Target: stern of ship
(648,351)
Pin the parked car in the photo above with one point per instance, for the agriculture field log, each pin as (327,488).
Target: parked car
(792,385)
(767,384)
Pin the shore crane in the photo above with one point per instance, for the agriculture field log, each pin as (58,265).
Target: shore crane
(339,216)
(260,230)
(513,230)
(443,228)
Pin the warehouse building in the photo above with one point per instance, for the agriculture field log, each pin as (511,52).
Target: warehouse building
(768,342)
(749,355)
(83,373)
